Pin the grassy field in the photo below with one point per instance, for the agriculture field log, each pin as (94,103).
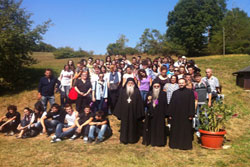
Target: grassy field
(39,151)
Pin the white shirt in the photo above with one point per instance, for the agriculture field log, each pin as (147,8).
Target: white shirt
(70,118)
(213,82)
(66,77)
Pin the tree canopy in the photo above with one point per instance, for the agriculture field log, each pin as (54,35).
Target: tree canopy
(237,34)
(192,22)
(17,40)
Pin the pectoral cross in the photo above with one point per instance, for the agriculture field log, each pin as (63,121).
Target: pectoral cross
(129,100)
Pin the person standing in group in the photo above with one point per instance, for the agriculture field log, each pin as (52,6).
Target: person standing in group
(46,88)
(180,113)
(169,88)
(66,78)
(114,80)
(83,87)
(154,133)
(100,94)
(144,83)
(130,110)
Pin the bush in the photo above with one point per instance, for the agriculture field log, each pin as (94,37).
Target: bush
(67,52)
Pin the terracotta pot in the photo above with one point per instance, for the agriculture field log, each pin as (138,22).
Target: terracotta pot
(212,140)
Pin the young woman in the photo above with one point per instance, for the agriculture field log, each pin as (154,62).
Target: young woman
(144,83)
(12,118)
(26,122)
(169,88)
(83,88)
(71,65)
(163,78)
(66,78)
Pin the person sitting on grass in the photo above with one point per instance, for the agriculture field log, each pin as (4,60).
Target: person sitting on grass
(66,129)
(13,120)
(26,122)
(100,125)
(82,122)
(57,116)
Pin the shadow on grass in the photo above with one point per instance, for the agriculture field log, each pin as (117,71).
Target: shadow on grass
(28,80)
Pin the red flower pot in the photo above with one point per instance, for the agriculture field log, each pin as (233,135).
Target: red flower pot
(212,140)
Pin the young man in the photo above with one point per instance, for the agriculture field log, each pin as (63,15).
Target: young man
(82,123)
(46,88)
(181,112)
(50,120)
(66,129)
(13,119)
(100,125)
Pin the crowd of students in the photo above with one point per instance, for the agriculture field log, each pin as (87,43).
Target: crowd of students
(98,85)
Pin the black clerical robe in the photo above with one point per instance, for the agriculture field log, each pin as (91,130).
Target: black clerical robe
(154,127)
(182,106)
(131,114)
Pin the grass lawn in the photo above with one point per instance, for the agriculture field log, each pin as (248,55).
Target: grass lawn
(39,151)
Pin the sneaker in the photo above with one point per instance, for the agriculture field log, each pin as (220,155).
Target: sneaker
(85,139)
(55,140)
(90,140)
(73,137)
(11,133)
(53,137)
(198,134)
(6,134)
(98,141)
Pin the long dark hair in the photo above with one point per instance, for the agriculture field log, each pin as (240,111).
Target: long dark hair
(140,76)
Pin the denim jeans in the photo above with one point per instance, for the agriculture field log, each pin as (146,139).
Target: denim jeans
(59,131)
(51,125)
(99,131)
(64,95)
(45,100)
(98,105)
(143,94)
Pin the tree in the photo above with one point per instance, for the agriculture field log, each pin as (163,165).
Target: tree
(17,40)
(237,34)
(151,42)
(120,48)
(192,22)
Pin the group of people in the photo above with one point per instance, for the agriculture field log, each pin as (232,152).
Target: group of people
(147,96)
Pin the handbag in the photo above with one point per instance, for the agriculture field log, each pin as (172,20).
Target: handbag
(73,94)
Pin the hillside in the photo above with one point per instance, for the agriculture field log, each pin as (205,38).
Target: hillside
(39,151)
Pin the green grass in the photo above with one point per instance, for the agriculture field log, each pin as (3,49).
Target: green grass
(39,151)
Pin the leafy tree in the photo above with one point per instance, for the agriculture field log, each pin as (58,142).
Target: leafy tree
(151,42)
(192,22)
(120,48)
(237,34)
(17,40)
(68,52)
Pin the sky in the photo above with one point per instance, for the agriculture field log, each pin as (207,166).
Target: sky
(93,24)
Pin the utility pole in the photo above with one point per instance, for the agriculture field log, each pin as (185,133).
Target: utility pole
(224,44)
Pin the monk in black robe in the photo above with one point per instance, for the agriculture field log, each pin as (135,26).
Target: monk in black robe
(130,110)
(181,112)
(154,133)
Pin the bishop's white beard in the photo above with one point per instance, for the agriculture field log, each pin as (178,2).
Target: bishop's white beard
(130,90)
(156,92)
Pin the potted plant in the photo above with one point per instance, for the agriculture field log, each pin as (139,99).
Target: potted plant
(212,124)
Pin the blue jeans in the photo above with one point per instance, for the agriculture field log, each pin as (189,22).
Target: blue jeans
(45,100)
(143,94)
(59,131)
(99,131)
(98,105)
(64,95)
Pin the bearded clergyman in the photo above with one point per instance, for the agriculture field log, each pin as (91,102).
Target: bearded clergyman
(130,110)
(154,133)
